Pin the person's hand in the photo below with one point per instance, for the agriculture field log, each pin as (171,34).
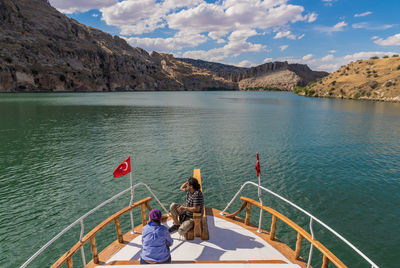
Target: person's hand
(181,209)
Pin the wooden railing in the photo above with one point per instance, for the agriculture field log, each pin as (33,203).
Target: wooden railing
(301,233)
(67,257)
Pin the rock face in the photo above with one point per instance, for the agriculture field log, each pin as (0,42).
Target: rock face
(272,75)
(190,77)
(43,50)
(373,79)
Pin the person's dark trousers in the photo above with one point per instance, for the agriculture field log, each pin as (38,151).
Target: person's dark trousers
(144,262)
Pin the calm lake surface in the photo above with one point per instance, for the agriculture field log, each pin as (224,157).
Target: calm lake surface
(337,159)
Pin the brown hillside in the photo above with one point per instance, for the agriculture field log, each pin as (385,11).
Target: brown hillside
(373,79)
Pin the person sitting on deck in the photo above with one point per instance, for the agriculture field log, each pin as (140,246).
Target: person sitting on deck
(183,215)
(156,241)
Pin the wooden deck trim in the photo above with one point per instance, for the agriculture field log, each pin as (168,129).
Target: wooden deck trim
(95,230)
(284,249)
(211,261)
(301,232)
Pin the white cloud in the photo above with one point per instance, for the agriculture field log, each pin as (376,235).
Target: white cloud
(95,15)
(330,63)
(267,60)
(72,6)
(284,47)
(374,37)
(363,14)
(366,55)
(328,57)
(328,2)
(167,45)
(332,51)
(312,17)
(286,34)
(245,63)
(237,44)
(336,28)
(393,40)
(308,57)
(366,25)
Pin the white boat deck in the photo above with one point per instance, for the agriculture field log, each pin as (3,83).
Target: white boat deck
(228,242)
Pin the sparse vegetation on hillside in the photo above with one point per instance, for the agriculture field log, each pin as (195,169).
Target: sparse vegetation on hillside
(373,79)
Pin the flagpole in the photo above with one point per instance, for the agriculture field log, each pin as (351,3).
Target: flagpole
(259,198)
(131,202)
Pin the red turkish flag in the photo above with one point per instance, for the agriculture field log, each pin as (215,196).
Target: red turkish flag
(123,168)
(258,166)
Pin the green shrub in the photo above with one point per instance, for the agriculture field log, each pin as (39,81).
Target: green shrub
(357,95)
(374,58)
(398,67)
(386,56)
(310,92)
(299,89)
(395,56)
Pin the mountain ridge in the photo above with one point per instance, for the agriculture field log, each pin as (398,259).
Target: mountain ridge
(43,50)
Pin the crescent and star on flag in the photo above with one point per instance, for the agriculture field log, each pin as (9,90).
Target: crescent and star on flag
(123,168)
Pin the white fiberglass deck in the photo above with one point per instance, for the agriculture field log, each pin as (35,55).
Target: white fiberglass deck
(228,242)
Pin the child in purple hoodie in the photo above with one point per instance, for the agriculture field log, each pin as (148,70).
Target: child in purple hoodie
(156,241)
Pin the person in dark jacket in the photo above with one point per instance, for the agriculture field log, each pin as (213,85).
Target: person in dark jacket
(156,241)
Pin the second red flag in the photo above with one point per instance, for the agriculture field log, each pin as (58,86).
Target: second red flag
(258,166)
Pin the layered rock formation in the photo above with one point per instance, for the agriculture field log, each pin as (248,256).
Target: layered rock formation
(373,79)
(43,50)
(191,77)
(272,75)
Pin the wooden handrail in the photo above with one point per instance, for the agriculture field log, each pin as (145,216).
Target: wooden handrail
(327,255)
(91,235)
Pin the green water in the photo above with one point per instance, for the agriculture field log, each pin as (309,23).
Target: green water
(338,159)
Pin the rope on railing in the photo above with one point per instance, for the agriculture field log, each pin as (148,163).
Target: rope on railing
(80,220)
(305,212)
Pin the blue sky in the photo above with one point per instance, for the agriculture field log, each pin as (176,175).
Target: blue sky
(325,34)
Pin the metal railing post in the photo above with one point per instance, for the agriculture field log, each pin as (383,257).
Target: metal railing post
(82,249)
(131,211)
(311,247)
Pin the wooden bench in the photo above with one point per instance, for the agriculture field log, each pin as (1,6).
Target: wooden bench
(200,228)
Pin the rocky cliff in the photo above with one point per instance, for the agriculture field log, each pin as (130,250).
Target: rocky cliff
(272,75)
(43,50)
(191,77)
(373,79)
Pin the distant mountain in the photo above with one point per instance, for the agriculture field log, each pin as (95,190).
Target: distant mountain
(43,50)
(373,79)
(273,75)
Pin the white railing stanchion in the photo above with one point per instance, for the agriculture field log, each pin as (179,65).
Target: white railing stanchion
(236,195)
(37,253)
(311,247)
(80,239)
(261,210)
(130,204)
(308,214)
